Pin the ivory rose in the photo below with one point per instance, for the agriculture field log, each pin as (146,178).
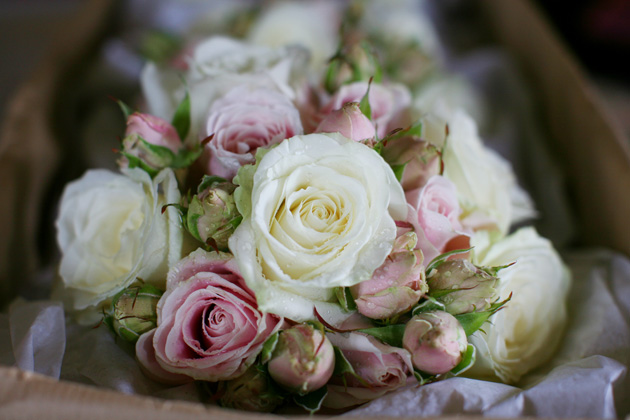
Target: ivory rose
(243,120)
(217,65)
(111,230)
(388,103)
(526,332)
(318,213)
(382,368)
(209,326)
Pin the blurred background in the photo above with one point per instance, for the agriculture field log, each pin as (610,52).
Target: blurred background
(596,31)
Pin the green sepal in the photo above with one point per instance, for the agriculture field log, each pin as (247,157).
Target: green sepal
(423,378)
(473,321)
(440,259)
(126,109)
(181,119)
(135,162)
(185,157)
(160,151)
(364,105)
(269,347)
(430,304)
(312,401)
(345,299)
(194,212)
(494,271)
(208,181)
(389,334)
(468,360)
(399,170)
(342,365)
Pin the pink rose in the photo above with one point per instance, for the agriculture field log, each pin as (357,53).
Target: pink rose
(396,285)
(381,367)
(348,121)
(209,327)
(435,214)
(243,120)
(388,103)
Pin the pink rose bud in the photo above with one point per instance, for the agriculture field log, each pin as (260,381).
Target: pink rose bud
(463,287)
(396,285)
(156,132)
(303,360)
(212,214)
(436,341)
(249,392)
(350,122)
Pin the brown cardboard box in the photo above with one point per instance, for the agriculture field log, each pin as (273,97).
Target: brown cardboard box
(595,155)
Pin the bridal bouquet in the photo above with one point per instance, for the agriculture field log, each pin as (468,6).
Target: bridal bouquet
(311,234)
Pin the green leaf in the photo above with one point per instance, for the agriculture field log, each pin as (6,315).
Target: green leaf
(430,304)
(181,119)
(399,170)
(312,401)
(364,105)
(472,321)
(208,180)
(468,360)
(390,334)
(126,109)
(345,299)
(437,261)
(269,347)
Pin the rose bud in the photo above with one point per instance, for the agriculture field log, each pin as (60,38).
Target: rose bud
(134,311)
(349,121)
(143,133)
(250,392)
(212,215)
(463,287)
(303,360)
(396,285)
(436,341)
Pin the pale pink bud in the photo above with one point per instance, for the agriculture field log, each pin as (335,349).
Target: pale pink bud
(303,360)
(349,121)
(155,132)
(396,285)
(436,341)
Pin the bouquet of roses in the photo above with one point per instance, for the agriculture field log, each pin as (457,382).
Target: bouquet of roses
(286,233)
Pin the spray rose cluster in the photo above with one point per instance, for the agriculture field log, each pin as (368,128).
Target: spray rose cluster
(295,234)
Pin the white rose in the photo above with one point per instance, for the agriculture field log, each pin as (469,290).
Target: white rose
(314,25)
(218,65)
(318,213)
(487,187)
(526,332)
(111,230)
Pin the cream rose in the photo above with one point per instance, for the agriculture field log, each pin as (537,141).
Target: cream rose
(526,332)
(318,213)
(216,66)
(111,230)
(487,189)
